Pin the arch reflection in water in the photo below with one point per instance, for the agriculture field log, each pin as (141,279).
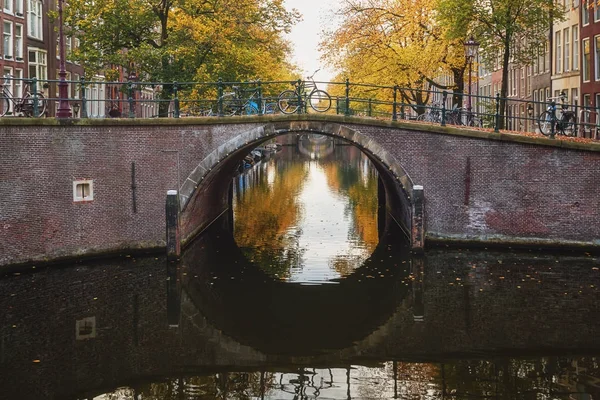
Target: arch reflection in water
(309,212)
(279,317)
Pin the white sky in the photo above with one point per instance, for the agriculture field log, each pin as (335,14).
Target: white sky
(305,35)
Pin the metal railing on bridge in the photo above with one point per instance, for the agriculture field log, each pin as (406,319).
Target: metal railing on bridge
(135,99)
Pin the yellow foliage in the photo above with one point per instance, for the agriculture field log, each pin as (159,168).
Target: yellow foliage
(390,42)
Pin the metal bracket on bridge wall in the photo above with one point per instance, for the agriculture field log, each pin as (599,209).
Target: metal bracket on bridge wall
(173,235)
(417,237)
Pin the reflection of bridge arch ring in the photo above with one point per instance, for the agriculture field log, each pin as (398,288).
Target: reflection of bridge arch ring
(205,195)
(232,293)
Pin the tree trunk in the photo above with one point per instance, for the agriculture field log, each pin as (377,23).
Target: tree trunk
(164,98)
(459,81)
(504,86)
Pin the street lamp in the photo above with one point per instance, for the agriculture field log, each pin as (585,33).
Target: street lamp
(471,47)
(64,111)
(530,114)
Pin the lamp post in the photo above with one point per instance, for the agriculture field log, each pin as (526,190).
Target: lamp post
(471,47)
(64,111)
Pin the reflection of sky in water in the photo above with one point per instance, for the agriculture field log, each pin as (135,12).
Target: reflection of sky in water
(323,230)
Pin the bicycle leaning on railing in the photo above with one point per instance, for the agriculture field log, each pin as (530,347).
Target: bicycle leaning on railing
(550,124)
(26,104)
(432,114)
(239,102)
(290,101)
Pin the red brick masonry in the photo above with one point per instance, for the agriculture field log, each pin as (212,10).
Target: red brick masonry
(477,186)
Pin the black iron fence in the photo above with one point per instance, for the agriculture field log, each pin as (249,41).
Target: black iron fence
(133,99)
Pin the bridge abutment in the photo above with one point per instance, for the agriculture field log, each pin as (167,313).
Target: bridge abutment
(173,228)
(417,237)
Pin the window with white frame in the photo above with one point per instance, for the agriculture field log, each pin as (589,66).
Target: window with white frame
(586,104)
(567,51)
(522,82)
(96,99)
(18,83)
(8,40)
(83,190)
(586,60)
(558,53)
(575,41)
(597,58)
(596,12)
(8,6)
(34,19)
(547,56)
(8,72)
(18,42)
(574,96)
(76,78)
(19,8)
(529,69)
(585,13)
(9,84)
(38,64)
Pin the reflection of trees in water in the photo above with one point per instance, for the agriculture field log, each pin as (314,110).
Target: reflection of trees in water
(223,385)
(547,377)
(356,178)
(265,215)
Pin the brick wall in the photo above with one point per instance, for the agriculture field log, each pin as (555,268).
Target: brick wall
(38,218)
(500,190)
(475,188)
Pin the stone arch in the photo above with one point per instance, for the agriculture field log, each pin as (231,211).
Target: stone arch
(204,197)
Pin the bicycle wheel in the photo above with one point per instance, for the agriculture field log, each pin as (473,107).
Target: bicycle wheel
(288,102)
(422,117)
(568,125)
(270,108)
(28,105)
(4,105)
(231,108)
(250,109)
(319,100)
(545,122)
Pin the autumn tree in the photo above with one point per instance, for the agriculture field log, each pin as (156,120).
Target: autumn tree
(183,40)
(512,30)
(395,41)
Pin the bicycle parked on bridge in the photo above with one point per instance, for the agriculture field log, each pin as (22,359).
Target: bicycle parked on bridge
(432,114)
(25,105)
(550,124)
(305,92)
(239,102)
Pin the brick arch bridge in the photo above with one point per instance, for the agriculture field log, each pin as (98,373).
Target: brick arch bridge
(481,187)
(209,183)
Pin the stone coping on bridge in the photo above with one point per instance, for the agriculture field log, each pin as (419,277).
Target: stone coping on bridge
(482,133)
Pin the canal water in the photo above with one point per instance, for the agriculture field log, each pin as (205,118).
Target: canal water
(303,297)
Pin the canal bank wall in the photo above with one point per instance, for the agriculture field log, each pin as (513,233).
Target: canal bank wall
(86,188)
